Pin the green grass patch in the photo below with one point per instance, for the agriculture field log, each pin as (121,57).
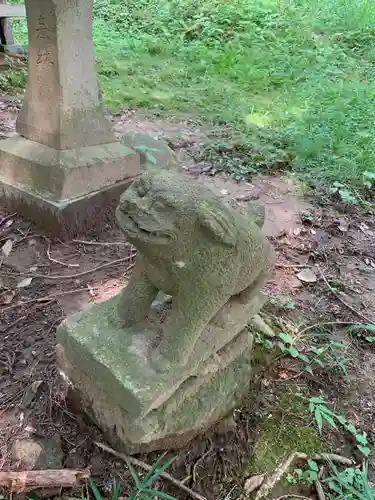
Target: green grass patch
(294,77)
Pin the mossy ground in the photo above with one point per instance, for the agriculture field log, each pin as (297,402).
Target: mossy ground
(285,427)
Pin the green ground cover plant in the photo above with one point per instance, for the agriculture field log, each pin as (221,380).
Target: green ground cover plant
(295,78)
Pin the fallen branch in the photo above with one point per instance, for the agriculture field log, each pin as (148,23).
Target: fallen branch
(144,466)
(12,325)
(47,298)
(319,490)
(293,497)
(103,244)
(333,457)
(20,481)
(326,323)
(270,483)
(50,258)
(83,273)
(358,313)
(318,484)
(295,266)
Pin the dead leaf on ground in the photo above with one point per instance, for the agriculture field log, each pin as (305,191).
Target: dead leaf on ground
(7,247)
(7,297)
(253,483)
(307,276)
(343,224)
(9,222)
(30,394)
(24,283)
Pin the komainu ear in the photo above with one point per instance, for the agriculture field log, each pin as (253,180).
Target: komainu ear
(218,224)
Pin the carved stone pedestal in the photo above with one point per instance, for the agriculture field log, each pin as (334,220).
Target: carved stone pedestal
(65,169)
(139,409)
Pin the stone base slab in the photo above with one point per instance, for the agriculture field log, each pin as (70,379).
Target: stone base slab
(68,218)
(119,358)
(67,191)
(197,404)
(139,409)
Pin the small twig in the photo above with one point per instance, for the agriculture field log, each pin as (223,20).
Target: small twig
(144,466)
(318,484)
(319,490)
(9,327)
(58,261)
(103,244)
(293,496)
(47,298)
(296,266)
(200,459)
(333,457)
(83,273)
(361,315)
(326,323)
(6,218)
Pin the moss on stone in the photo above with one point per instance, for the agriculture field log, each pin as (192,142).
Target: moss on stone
(284,431)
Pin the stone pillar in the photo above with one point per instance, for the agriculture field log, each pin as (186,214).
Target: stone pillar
(65,163)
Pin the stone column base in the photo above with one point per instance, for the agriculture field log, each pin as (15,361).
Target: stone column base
(64,191)
(138,409)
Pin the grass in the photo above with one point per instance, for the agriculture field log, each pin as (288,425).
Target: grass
(295,78)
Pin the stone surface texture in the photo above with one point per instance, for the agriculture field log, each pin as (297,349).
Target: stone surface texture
(170,354)
(65,151)
(154,153)
(62,107)
(39,453)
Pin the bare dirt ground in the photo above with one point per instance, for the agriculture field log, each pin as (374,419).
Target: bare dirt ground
(42,280)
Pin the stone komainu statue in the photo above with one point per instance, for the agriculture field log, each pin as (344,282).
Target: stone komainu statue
(191,246)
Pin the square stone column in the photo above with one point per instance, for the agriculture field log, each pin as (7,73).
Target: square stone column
(64,166)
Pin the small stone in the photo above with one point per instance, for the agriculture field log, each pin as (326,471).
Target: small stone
(38,453)
(154,153)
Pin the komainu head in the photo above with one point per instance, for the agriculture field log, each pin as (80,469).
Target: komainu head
(169,210)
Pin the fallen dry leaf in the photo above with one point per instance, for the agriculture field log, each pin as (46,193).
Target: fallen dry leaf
(7,247)
(30,394)
(24,283)
(343,225)
(9,222)
(253,483)
(7,297)
(307,276)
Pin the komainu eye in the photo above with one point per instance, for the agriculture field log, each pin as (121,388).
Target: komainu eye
(143,187)
(141,190)
(158,205)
